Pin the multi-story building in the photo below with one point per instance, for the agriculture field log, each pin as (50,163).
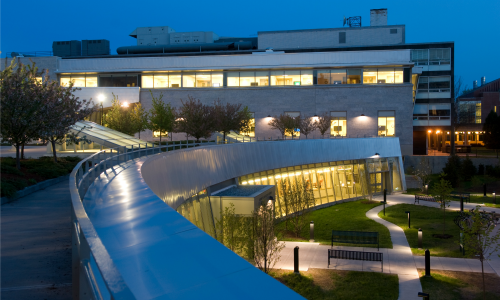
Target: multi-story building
(368,78)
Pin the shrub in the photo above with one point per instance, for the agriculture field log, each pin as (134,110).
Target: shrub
(480,170)
(468,169)
(7,169)
(18,184)
(32,181)
(493,171)
(453,170)
(74,159)
(8,161)
(7,189)
(49,172)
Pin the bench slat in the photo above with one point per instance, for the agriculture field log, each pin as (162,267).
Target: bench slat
(356,255)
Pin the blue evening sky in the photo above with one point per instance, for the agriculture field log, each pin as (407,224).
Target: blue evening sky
(474,26)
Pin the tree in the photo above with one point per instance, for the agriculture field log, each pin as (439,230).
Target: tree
(61,109)
(300,200)
(161,116)
(307,125)
(229,228)
(267,246)
(424,171)
(324,123)
(468,169)
(453,170)
(196,119)
(281,123)
(442,190)
(231,117)
(491,128)
(123,118)
(21,117)
(479,240)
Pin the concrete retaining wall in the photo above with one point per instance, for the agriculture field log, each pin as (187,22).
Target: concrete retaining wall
(437,163)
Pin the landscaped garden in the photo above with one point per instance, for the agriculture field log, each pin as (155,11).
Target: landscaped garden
(450,285)
(32,172)
(430,219)
(335,284)
(344,216)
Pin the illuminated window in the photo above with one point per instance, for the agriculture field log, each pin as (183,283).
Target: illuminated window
(323,77)
(160,81)
(262,78)
(386,123)
(292,78)
(478,113)
(306,77)
(370,76)
(217,79)
(39,79)
(296,131)
(78,81)
(338,123)
(386,75)
(398,75)
(247,79)
(147,81)
(203,80)
(233,79)
(91,81)
(188,80)
(174,80)
(353,76)
(338,76)
(157,134)
(277,77)
(65,81)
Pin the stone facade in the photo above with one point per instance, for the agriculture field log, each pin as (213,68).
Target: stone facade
(308,100)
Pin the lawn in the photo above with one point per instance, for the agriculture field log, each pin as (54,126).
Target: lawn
(430,219)
(344,216)
(335,284)
(32,171)
(446,285)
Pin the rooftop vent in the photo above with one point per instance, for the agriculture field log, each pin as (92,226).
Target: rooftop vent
(378,17)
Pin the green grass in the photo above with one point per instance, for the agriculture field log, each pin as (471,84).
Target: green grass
(488,200)
(333,284)
(344,216)
(430,219)
(448,285)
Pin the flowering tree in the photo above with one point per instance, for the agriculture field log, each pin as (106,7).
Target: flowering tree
(123,118)
(61,109)
(20,106)
(196,119)
(161,116)
(230,117)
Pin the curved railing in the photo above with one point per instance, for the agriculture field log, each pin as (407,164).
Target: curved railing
(94,274)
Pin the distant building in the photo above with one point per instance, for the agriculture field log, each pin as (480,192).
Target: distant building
(368,78)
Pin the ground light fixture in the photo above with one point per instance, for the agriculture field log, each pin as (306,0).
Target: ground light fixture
(311,231)
(408,218)
(296,260)
(427,189)
(494,198)
(420,239)
(423,295)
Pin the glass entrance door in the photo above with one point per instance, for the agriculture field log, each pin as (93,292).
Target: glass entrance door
(379,181)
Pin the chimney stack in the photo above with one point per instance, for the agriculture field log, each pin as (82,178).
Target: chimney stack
(483,80)
(378,17)
(474,84)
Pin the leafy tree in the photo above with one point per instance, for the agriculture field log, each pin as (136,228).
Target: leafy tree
(442,190)
(468,169)
(128,120)
(231,117)
(324,123)
(480,241)
(300,200)
(267,245)
(453,170)
(229,228)
(161,115)
(307,125)
(196,119)
(424,171)
(61,109)
(281,123)
(491,130)
(20,106)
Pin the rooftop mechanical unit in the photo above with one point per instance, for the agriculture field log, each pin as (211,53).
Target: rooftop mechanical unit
(67,48)
(95,47)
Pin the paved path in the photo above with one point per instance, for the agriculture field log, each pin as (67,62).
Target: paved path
(398,260)
(36,245)
(37,151)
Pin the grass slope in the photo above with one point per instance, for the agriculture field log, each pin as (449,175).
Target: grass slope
(344,216)
(430,219)
(335,284)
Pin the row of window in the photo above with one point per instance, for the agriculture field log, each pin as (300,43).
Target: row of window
(244,79)
(433,84)
(424,57)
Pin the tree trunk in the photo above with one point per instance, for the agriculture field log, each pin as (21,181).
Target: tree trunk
(18,161)
(444,218)
(22,151)
(224,137)
(160,137)
(54,150)
(484,286)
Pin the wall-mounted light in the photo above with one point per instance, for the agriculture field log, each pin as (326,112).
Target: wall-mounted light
(377,154)
(315,115)
(429,131)
(269,116)
(101,97)
(438,131)
(125,104)
(362,115)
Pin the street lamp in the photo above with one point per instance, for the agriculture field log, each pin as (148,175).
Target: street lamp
(101,99)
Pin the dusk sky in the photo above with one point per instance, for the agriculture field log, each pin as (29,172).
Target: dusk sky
(474,26)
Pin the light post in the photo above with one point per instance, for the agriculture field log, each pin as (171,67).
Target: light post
(383,202)
(427,189)
(311,231)
(420,239)
(427,263)
(494,198)
(296,260)
(101,99)
(385,196)
(408,218)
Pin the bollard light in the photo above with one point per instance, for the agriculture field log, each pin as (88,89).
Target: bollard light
(427,189)
(311,231)
(296,260)
(427,263)
(384,206)
(408,218)
(385,195)
(484,190)
(420,239)
(423,295)
(494,198)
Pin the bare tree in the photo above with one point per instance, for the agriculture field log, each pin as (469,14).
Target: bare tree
(267,246)
(324,123)
(196,119)
(307,125)
(424,171)
(300,200)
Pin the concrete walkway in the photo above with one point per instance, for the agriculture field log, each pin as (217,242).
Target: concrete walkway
(398,260)
(36,245)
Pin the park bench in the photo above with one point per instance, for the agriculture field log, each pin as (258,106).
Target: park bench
(465,196)
(424,198)
(355,237)
(356,255)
